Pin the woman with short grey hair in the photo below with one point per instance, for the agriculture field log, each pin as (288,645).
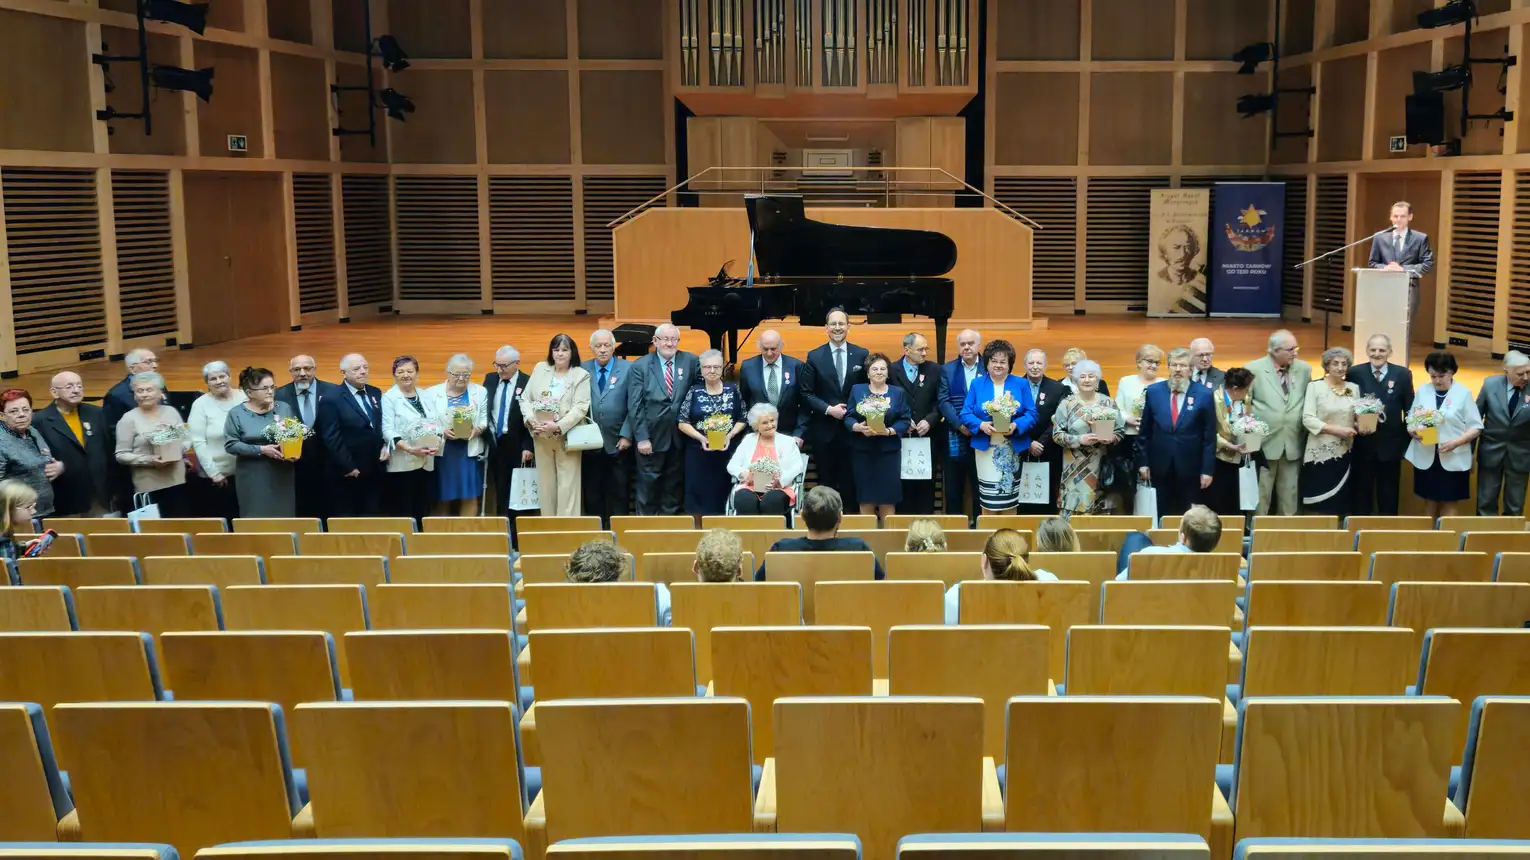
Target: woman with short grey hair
(1328,413)
(459,467)
(158,468)
(206,423)
(765,493)
(707,448)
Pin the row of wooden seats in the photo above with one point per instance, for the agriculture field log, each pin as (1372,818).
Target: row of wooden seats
(1365,767)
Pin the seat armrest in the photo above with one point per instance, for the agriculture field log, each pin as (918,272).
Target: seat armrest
(523,666)
(1455,821)
(1221,826)
(302,825)
(531,750)
(765,801)
(880,686)
(69,827)
(1051,688)
(1229,731)
(536,829)
(993,799)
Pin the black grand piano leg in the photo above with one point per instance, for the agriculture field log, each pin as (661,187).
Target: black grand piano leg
(940,340)
(731,357)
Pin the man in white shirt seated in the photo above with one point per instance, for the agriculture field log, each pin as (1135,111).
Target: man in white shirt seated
(1199,531)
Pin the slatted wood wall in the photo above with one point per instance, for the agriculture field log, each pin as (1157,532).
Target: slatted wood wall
(1117,218)
(53,229)
(1053,202)
(1519,283)
(1474,252)
(531,224)
(1332,228)
(1295,248)
(368,239)
(438,256)
(315,217)
(145,252)
(607,198)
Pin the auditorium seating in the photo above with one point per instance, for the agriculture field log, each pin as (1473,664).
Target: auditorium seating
(810,568)
(703,607)
(991,662)
(880,606)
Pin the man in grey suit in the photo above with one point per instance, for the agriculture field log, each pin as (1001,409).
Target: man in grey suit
(1279,393)
(656,385)
(1202,353)
(1402,249)
(1503,452)
(607,473)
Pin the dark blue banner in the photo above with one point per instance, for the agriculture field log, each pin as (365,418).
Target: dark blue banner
(1247,237)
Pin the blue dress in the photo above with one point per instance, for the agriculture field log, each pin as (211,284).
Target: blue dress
(877,461)
(458,476)
(707,481)
(1434,484)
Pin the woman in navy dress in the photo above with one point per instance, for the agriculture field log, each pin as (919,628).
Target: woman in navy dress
(707,481)
(876,458)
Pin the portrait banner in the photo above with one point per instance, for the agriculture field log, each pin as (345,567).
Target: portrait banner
(1177,252)
(1249,237)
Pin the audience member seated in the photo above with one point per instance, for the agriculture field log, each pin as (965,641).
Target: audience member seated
(1005,556)
(925,535)
(18,507)
(1056,535)
(719,557)
(821,510)
(1200,529)
(599,561)
(778,493)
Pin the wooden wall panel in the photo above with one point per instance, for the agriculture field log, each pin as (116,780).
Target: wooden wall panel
(1131,118)
(46,102)
(1295,115)
(1294,247)
(1482,137)
(1053,202)
(368,240)
(1035,118)
(1214,29)
(169,137)
(1027,30)
(350,32)
(1343,110)
(1519,285)
(622,117)
(607,198)
(54,242)
(145,257)
(290,19)
(621,30)
(226,14)
(1474,252)
(1332,222)
(531,221)
(440,131)
(438,248)
(237,255)
(300,101)
(437,28)
(525,30)
(1299,17)
(527,117)
(1394,82)
(314,219)
(1351,22)
(1118,241)
(1377,193)
(1133,29)
(1215,133)
(1405,14)
(353,115)
(235,108)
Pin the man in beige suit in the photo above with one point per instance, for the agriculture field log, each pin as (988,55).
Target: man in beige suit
(1279,392)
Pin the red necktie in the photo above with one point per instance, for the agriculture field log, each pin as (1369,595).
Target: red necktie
(1173,409)
(669,378)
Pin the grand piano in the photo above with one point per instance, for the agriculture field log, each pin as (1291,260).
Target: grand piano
(806,268)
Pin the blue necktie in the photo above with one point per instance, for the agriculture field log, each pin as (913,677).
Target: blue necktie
(602,380)
(908,371)
(504,406)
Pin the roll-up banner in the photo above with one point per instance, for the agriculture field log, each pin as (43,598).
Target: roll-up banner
(1248,230)
(1177,255)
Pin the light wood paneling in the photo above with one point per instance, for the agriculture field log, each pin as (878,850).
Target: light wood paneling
(1342,111)
(621,117)
(1295,116)
(47,102)
(439,28)
(1299,18)
(1482,137)
(1215,29)
(1131,119)
(621,29)
(145,254)
(1351,22)
(1026,30)
(346,19)
(291,20)
(1394,82)
(527,117)
(1214,131)
(238,262)
(169,137)
(235,108)
(300,98)
(440,131)
(525,30)
(1133,29)
(1035,118)
(353,116)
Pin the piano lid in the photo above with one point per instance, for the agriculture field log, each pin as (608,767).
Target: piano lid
(788,244)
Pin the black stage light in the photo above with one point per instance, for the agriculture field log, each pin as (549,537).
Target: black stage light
(1254,104)
(393,57)
(1452,13)
(192,16)
(1252,55)
(184,80)
(1448,78)
(396,103)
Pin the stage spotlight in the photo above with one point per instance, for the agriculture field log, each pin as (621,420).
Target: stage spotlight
(192,16)
(393,57)
(396,103)
(184,80)
(1254,104)
(1448,78)
(1452,13)
(1252,55)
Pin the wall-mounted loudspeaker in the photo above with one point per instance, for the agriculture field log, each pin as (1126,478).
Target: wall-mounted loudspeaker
(1426,118)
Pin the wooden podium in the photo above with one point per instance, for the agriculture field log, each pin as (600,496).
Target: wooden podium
(1381,307)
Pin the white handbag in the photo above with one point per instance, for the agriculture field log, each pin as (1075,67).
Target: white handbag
(585,437)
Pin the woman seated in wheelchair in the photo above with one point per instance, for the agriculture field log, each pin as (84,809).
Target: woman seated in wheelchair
(765,466)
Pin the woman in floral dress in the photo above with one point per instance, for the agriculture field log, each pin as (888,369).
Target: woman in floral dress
(1078,490)
(706,470)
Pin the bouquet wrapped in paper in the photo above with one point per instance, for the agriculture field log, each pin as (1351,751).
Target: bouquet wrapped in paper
(545,407)
(424,434)
(169,441)
(1427,422)
(1250,432)
(1369,412)
(1139,403)
(1001,414)
(1101,418)
(289,433)
(461,420)
(874,409)
(762,472)
(716,426)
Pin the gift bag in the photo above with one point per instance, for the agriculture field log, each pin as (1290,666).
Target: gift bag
(1248,486)
(917,464)
(523,490)
(1035,478)
(1146,502)
(143,509)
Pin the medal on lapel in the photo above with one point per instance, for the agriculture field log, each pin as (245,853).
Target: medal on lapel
(86,425)
(1390,384)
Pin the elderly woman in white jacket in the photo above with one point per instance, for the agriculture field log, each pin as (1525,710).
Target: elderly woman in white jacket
(459,466)
(775,495)
(411,426)
(1442,471)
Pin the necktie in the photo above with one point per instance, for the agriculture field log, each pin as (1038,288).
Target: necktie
(839,366)
(1378,374)
(1399,246)
(1173,409)
(773,385)
(669,378)
(1285,382)
(603,380)
(305,405)
(908,371)
(366,407)
(504,407)
(1516,397)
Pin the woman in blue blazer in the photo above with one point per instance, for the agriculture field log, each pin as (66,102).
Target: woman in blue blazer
(876,459)
(998,466)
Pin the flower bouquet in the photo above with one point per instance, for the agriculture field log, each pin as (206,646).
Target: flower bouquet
(1101,418)
(1001,414)
(874,409)
(1250,432)
(289,433)
(1427,422)
(545,407)
(424,434)
(716,426)
(762,472)
(462,421)
(1139,403)
(169,441)
(1368,413)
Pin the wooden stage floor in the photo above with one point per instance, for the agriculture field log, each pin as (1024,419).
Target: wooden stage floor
(1110,340)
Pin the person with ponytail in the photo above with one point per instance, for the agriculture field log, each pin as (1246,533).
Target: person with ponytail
(18,507)
(1005,557)
(925,535)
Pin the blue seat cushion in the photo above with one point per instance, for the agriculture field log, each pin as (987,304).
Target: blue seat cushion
(300,782)
(1237,639)
(1003,778)
(1224,780)
(1455,782)
(528,695)
(1234,693)
(533,783)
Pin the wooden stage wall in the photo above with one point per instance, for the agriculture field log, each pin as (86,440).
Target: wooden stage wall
(661,252)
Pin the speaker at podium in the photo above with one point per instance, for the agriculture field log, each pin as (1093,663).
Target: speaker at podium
(1381,307)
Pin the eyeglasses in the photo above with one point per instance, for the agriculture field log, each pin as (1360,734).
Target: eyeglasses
(505,365)
(459,376)
(261,388)
(716,367)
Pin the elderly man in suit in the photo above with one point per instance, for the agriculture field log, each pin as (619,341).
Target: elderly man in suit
(1503,452)
(920,380)
(1046,393)
(76,433)
(117,403)
(1379,455)
(1403,249)
(955,378)
(607,472)
(1279,393)
(774,378)
(512,444)
(1177,437)
(350,423)
(656,386)
(302,396)
(828,374)
(1202,372)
